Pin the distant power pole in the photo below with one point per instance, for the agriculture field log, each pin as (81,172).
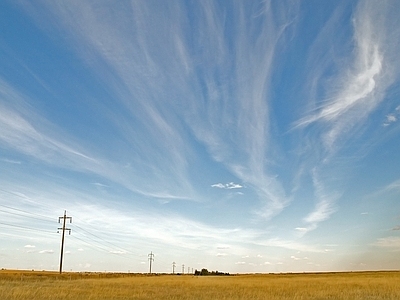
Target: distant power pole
(183,269)
(173,267)
(63,234)
(151,259)
(188,270)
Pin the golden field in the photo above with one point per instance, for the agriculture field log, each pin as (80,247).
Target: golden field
(51,285)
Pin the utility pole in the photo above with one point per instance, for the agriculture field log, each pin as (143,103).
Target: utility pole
(183,269)
(173,267)
(63,234)
(151,259)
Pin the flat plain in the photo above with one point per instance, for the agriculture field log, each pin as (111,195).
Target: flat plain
(50,285)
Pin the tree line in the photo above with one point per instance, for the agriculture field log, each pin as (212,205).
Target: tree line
(205,272)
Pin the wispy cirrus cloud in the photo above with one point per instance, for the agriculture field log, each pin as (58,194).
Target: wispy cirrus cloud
(226,106)
(27,132)
(236,130)
(132,70)
(23,129)
(11,161)
(324,207)
(394,186)
(341,106)
(360,85)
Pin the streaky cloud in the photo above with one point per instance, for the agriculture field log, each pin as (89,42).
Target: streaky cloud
(324,207)
(361,84)
(390,242)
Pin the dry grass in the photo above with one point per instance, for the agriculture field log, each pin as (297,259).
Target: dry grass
(47,285)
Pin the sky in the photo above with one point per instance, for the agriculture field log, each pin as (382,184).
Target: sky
(238,136)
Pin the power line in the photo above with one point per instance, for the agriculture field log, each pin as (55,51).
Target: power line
(21,215)
(25,228)
(99,248)
(28,213)
(88,234)
(100,238)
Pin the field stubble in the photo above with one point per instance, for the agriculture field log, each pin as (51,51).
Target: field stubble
(45,285)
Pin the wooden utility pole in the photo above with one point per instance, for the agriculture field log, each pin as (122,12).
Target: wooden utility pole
(151,259)
(63,234)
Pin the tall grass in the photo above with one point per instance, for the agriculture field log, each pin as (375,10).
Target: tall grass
(369,285)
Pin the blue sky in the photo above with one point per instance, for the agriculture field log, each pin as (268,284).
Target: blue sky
(239,136)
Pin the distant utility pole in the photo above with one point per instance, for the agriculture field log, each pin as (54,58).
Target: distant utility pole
(183,269)
(188,270)
(173,267)
(63,234)
(151,259)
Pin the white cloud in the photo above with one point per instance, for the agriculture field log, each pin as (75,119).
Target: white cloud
(290,244)
(99,184)
(223,247)
(392,117)
(395,185)
(29,246)
(11,161)
(46,251)
(322,212)
(362,82)
(117,252)
(388,242)
(218,185)
(227,186)
(323,209)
